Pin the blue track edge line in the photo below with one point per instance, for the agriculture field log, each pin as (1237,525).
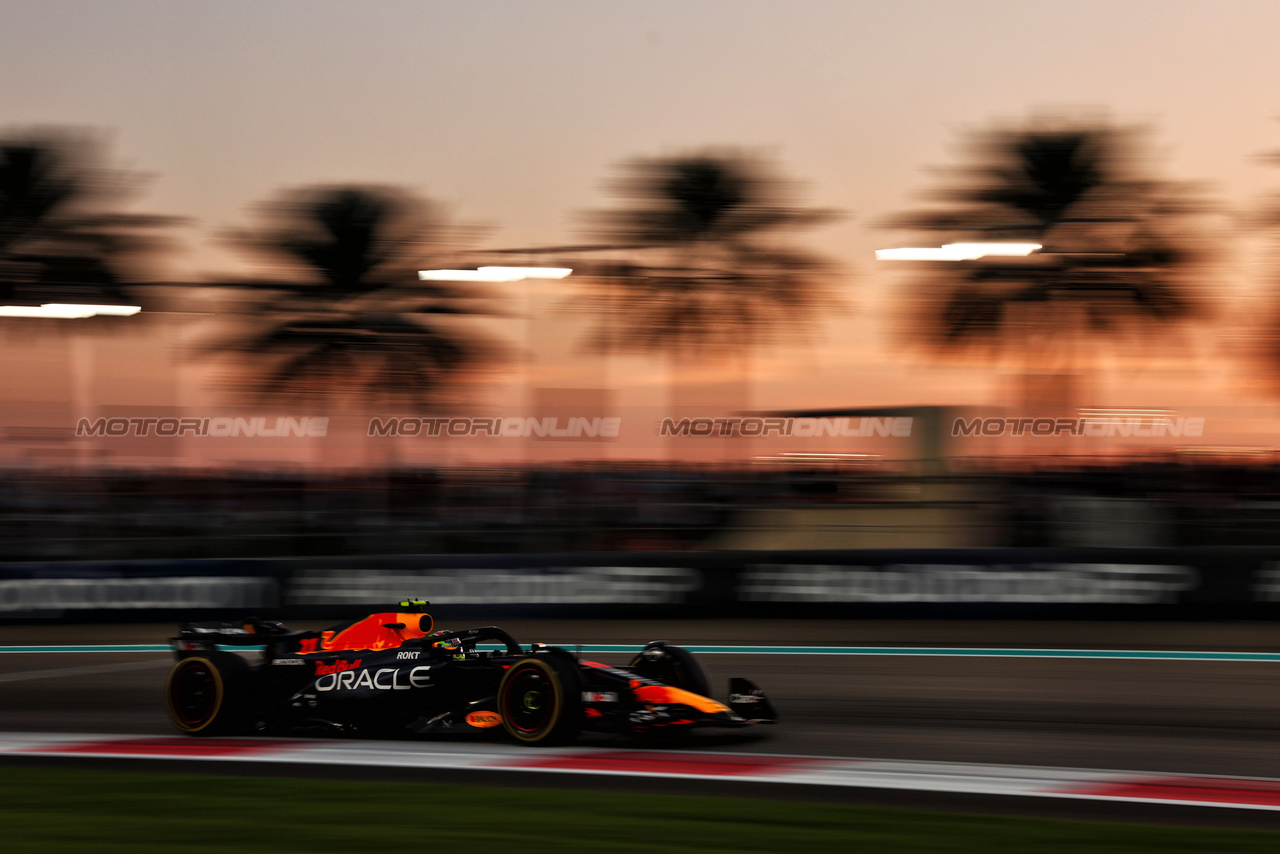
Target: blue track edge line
(952,652)
(90,647)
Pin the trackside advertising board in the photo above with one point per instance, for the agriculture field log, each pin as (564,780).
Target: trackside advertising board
(950,584)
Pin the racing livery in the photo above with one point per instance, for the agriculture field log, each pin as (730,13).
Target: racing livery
(392,673)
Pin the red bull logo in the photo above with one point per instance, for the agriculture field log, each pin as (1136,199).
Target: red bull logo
(323,669)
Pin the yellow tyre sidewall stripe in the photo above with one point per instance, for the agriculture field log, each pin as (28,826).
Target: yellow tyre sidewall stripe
(549,672)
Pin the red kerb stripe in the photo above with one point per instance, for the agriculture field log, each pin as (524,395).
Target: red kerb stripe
(171,746)
(1208,789)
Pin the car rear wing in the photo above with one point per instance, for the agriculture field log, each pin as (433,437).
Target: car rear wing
(251,632)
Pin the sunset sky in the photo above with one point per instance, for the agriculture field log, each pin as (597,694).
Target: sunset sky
(513,113)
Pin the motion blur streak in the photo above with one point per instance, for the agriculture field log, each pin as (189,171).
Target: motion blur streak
(958,252)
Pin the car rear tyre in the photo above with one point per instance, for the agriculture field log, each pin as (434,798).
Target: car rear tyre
(540,700)
(205,694)
(677,667)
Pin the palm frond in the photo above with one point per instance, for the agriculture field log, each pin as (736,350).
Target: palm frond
(344,311)
(707,264)
(1115,256)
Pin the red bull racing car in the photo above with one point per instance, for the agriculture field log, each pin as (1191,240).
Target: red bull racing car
(392,673)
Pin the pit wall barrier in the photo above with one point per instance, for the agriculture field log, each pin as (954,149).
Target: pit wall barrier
(1129,584)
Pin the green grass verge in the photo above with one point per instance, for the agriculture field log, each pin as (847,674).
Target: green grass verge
(60,810)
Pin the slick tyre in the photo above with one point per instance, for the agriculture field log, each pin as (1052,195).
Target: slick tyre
(540,700)
(205,694)
(677,667)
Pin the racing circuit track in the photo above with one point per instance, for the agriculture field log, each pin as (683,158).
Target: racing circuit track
(1174,716)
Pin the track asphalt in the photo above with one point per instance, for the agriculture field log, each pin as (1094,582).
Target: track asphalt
(1178,702)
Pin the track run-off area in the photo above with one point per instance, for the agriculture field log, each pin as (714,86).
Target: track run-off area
(959,778)
(894,708)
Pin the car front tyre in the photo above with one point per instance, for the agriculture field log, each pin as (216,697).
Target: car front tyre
(676,667)
(540,700)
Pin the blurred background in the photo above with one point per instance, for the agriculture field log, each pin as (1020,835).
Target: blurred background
(811,292)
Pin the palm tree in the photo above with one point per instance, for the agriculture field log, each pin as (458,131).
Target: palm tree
(708,261)
(61,238)
(1265,350)
(1117,254)
(344,313)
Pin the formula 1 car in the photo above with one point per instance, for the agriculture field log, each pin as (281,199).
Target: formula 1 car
(390,673)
